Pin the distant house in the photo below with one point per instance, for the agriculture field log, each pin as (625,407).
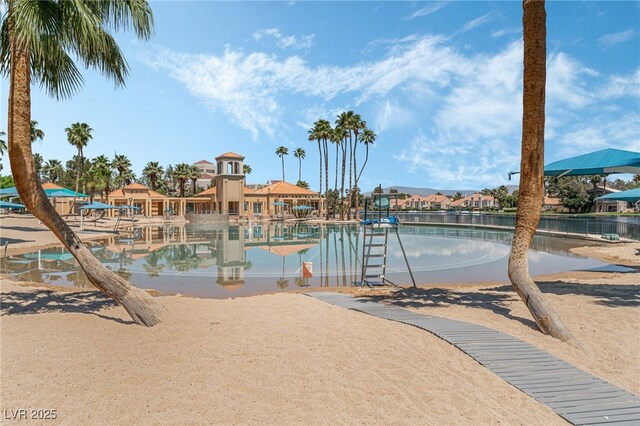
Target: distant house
(482,202)
(415,202)
(553,204)
(207,173)
(461,203)
(437,202)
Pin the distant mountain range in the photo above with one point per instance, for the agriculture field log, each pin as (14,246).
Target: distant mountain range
(428,191)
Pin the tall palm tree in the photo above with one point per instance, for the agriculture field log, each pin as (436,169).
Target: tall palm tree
(194,175)
(356,125)
(313,136)
(102,164)
(53,170)
(532,171)
(36,133)
(122,165)
(368,138)
(335,138)
(78,135)
(299,154)
(101,169)
(37,41)
(152,172)
(3,146)
(246,169)
(281,152)
(324,133)
(181,173)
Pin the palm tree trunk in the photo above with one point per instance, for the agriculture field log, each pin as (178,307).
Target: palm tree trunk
(355,180)
(282,158)
(366,158)
(350,182)
(142,308)
(320,168)
(299,169)
(335,185)
(343,147)
(326,175)
(531,172)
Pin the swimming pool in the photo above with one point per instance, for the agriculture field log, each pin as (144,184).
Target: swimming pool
(236,260)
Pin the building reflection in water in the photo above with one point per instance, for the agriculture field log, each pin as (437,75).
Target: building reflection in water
(262,256)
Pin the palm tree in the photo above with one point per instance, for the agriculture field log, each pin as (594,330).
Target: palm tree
(103,165)
(531,171)
(38,38)
(313,136)
(322,132)
(281,152)
(299,154)
(356,124)
(152,172)
(3,146)
(3,143)
(53,170)
(181,173)
(78,135)
(123,166)
(194,175)
(246,169)
(36,133)
(342,134)
(335,138)
(368,138)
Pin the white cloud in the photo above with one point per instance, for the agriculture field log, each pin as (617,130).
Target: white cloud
(608,40)
(502,33)
(285,41)
(619,86)
(390,115)
(427,10)
(603,131)
(475,23)
(248,87)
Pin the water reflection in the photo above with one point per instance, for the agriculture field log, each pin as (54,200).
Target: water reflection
(265,257)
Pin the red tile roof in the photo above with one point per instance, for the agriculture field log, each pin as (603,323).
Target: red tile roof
(230,155)
(284,188)
(203,162)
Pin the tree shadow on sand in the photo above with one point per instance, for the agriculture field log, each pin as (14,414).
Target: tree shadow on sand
(442,297)
(611,295)
(45,301)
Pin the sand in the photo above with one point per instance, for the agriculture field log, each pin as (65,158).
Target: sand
(290,359)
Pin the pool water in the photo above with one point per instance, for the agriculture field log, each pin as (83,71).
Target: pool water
(236,260)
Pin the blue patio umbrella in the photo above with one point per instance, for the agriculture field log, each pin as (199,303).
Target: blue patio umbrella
(302,208)
(601,162)
(279,203)
(63,193)
(8,205)
(631,195)
(98,206)
(9,192)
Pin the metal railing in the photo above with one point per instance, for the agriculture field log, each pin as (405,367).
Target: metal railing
(589,225)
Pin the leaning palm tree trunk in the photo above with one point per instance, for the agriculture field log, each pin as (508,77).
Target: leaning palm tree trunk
(326,175)
(531,172)
(143,308)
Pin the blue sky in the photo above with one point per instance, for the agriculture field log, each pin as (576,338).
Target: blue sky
(439,82)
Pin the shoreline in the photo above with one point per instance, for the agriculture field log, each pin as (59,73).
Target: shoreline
(287,358)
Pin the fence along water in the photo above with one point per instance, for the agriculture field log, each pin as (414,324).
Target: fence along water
(589,225)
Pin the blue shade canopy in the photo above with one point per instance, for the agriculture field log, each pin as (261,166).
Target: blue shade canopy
(601,162)
(279,203)
(630,195)
(128,207)
(64,193)
(98,206)
(8,205)
(302,208)
(9,192)
(51,193)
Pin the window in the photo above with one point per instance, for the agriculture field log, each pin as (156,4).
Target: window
(257,208)
(246,206)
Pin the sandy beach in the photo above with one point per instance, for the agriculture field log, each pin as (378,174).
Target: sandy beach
(289,359)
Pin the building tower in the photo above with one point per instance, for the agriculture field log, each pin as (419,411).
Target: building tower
(230,183)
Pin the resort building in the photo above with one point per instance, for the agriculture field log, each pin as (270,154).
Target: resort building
(437,202)
(482,202)
(207,173)
(151,203)
(553,204)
